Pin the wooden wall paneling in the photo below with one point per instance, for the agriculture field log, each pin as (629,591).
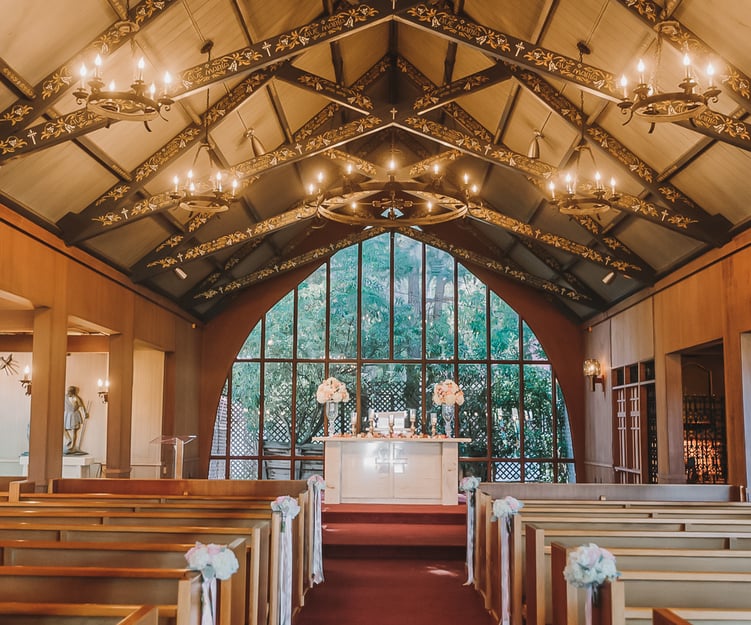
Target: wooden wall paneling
(632,335)
(120,411)
(184,371)
(154,325)
(598,422)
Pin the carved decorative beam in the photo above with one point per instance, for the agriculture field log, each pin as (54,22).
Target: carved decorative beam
(10,77)
(512,49)
(504,269)
(541,173)
(345,96)
(520,228)
(45,135)
(440,96)
(283,266)
(286,45)
(284,155)
(73,225)
(681,38)
(721,128)
(715,226)
(55,84)
(153,265)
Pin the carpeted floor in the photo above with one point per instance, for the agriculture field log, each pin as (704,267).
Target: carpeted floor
(393,592)
(394,565)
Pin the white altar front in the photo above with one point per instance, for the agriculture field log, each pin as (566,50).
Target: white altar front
(391,470)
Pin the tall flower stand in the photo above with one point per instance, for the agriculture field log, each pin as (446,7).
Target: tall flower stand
(332,410)
(448,411)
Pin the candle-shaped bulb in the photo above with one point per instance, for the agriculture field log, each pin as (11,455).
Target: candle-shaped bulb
(466,179)
(430,206)
(319,177)
(598,181)
(349,169)
(26,372)
(710,75)
(234,186)
(139,69)
(311,189)
(176,182)
(112,85)
(82,74)
(687,65)
(551,186)
(218,178)
(436,169)
(640,69)
(167,82)
(152,90)
(392,164)
(98,67)
(624,85)
(353,205)
(569,184)
(474,189)
(612,185)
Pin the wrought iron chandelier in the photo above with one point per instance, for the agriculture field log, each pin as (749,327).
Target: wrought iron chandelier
(581,196)
(653,105)
(216,194)
(139,102)
(391,203)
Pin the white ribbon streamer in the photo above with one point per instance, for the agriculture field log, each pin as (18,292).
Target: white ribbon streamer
(505,558)
(470,538)
(317,573)
(588,605)
(285,574)
(208,601)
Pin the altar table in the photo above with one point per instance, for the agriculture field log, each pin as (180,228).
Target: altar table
(391,470)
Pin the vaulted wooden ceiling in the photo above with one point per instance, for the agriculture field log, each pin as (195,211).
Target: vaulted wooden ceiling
(340,88)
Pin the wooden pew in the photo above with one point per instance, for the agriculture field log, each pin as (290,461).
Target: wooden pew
(260,593)
(647,589)
(687,616)
(175,591)
(135,555)
(34,613)
(537,554)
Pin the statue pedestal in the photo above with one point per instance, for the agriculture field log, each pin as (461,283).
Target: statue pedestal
(73,466)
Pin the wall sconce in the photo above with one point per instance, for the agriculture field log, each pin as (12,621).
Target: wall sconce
(593,372)
(26,381)
(104,390)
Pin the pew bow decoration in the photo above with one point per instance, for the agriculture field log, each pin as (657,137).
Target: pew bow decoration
(288,509)
(214,562)
(316,483)
(589,566)
(503,510)
(469,485)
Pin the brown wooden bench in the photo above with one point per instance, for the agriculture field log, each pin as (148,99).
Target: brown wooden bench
(647,589)
(35,613)
(136,555)
(172,590)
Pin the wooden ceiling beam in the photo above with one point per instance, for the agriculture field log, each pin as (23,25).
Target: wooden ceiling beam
(14,80)
(508,48)
(344,96)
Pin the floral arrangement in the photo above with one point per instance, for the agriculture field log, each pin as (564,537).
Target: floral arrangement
(590,566)
(287,507)
(316,481)
(469,484)
(331,389)
(212,560)
(506,507)
(447,392)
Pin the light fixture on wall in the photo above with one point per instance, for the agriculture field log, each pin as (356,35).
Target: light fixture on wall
(652,104)
(104,390)
(26,380)
(593,371)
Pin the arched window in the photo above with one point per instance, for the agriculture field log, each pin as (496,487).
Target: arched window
(390,317)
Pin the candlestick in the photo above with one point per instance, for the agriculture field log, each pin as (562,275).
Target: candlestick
(353,420)
(412,421)
(391,425)
(433,422)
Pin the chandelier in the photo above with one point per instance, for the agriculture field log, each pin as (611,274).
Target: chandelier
(137,103)
(653,105)
(581,196)
(391,203)
(216,194)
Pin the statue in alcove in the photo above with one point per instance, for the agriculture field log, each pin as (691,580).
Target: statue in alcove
(75,419)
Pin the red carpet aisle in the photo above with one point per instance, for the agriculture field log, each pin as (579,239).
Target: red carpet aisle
(393,565)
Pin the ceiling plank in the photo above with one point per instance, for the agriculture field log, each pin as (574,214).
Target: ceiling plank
(55,84)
